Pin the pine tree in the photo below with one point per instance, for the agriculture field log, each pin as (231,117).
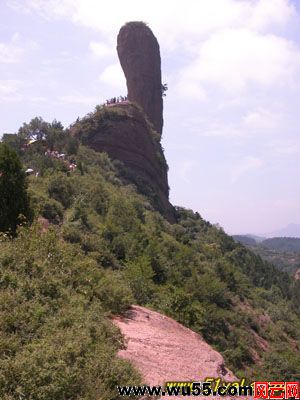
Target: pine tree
(14,201)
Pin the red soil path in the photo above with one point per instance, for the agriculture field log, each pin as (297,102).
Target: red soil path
(163,350)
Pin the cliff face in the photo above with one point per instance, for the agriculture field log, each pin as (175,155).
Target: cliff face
(139,55)
(123,132)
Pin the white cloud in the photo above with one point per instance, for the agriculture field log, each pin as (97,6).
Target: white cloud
(9,86)
(101,49)
(13,90)
(246,165)
(9,90)
(263,120)
(47,8)
(286,147)
(199,16)
(256,122)
(114,76)
(11,52)
(232,59)
(226,42)
(271,12)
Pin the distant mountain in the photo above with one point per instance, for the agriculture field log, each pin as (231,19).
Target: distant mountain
(275,243)
(283,252)
(245,239)
(248,239)
(291,230)
(258,239)
(282,244)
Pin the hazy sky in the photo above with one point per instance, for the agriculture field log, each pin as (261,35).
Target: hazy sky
(231,132)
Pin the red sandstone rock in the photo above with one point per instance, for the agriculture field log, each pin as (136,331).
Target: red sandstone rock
(126,136)
(127,132)
(164,350)
(139,56)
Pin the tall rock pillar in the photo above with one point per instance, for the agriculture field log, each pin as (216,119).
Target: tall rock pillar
(139,55)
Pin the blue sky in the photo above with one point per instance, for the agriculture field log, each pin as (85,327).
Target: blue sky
(231,133)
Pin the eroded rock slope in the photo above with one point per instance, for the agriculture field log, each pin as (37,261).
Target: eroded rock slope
(164,350)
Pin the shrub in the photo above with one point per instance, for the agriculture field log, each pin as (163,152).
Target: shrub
(52,211)
(61,189)
(114,293)
(139,274)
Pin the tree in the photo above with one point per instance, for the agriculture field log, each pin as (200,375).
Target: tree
(52,133)
(37,128)
(14,141)
(14,201)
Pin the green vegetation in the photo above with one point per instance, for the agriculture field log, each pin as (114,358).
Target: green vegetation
(56,339)
(106,248)
(283,252)
(97,122)
(244,239)
(288,261)
(14,201)
(282,244)
(136,23)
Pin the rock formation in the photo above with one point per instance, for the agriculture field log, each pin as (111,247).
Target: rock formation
(139,56)
(130,131)
(165,351)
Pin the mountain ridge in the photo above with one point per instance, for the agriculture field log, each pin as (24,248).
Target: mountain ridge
(291,230)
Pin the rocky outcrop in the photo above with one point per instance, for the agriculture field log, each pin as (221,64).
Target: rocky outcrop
(165,351)
(139,55)
(130,131)
(123,132)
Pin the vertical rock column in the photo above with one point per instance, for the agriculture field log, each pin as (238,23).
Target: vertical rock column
(139,55)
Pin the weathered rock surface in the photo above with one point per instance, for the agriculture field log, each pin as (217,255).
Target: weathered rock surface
(122,131)
(165,351)
(139,55)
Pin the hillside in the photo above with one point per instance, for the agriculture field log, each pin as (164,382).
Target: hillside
(103,236)
(106,248)
(282,244)
(283,252)
(244,239)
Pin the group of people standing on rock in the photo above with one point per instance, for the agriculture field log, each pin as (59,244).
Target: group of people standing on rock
(115,100)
